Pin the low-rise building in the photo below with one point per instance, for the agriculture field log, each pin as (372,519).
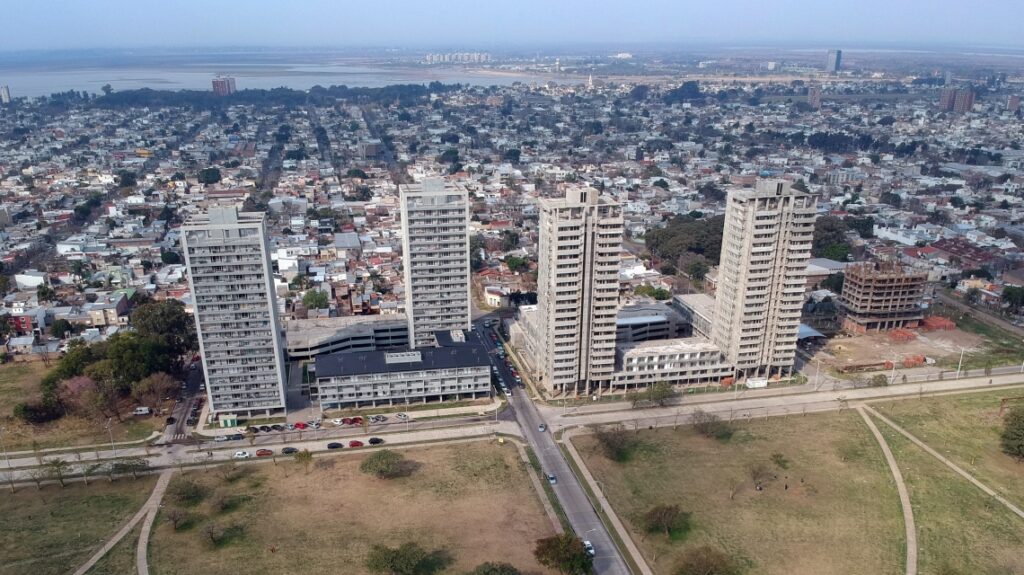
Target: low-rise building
(684,361)
(308,338)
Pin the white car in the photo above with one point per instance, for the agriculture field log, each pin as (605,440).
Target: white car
(590,548)
(220,438)
(241,455)
(401,416)
(336,421)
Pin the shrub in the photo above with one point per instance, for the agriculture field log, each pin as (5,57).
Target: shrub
(710,425)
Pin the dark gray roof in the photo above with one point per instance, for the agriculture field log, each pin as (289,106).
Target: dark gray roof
(454,355)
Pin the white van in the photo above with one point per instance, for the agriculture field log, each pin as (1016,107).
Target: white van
(142,411)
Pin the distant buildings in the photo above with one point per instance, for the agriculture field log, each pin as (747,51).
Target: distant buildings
(224,85)
(881,296)
(814,97)
(765,248)
(5,95)
(435,245)
(957,100)
(457,58)
(834,61)
(1013,103)
(578,288)
(235,310)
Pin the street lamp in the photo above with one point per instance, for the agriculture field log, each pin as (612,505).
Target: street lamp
(110,430)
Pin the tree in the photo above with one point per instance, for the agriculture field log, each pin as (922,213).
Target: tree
(564,553)
(61,327)
(710,425)
(106,89)
(170,258)
(315,299)
(512,155)
(1014,297)
(154,387)
(1012,437)
(406,559)
(834,282)
(209,176)
(666,519)
(133,356)
(697,269)
(384,464)
(57,469)
(133,465)
(304,458)
(186,490)
(517,264)
(706,560)
(176,516)
(45,293)
(494,569)
(168,321)
(616,443)
(356,173)
(214,532)
(127,179)
(973,296)
(76,395)
(829,231)
(879,380)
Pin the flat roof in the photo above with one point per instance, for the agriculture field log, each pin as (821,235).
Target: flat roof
(667,346)
(456,355)
(700,303)
(305,333)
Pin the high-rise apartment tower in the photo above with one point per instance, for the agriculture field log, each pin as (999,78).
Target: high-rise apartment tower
(232,287)
(435,247)
(762,276)
(578,290)
(834,62)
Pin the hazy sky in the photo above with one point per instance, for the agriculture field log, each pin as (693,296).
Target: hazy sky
(61,24)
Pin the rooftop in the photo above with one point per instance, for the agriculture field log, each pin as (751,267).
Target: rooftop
(667,346)
(453,356)
(304,333)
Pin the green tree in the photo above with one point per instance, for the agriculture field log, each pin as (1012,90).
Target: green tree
(304,458)
(449,156)
(45,293)
(315,299)
(406,559)
(384,464)
(879,380)
(209,176)
(1012,437)
(357,173)
(57,469)
(170,258)
(168,321)
(1014,297)
(133,356)
(828,231)
(834,282)
(512,155)
(494,569)
(973,296)
(706,560)
(153,388)
(61,328)
(616,443)
(517,264)
(127,179)
(667,519)
(697,269)
(564,553)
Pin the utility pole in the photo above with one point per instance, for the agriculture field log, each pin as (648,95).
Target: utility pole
(960,364)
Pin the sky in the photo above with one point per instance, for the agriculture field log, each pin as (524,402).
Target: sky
(90,24)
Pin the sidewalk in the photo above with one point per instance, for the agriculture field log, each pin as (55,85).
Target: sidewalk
(90,447)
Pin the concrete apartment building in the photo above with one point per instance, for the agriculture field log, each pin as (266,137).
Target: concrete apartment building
(307,338)
(762,275)
(232,286)
(882,296)
(680,361)
(578,290)
(456,369)
(435,244)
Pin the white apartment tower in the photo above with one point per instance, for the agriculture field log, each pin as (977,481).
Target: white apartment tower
(578,290)
(232,287)
(762,276)
(435,244)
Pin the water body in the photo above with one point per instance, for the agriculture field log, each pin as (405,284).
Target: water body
(37,77)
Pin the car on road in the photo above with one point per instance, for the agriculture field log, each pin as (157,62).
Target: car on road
(290,450)
(401,416)
(334,445)
(221,438)
(237,437)
(265,428)
(357,420)
(590,548)
(355,443)
(337,421)
(264,452)
(378,418)
(277,427)
(252,429)
(542,427)
(552,479)
(241,455)
(171,420)
(300,426)
(376,441)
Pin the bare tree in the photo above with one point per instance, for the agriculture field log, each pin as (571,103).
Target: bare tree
(176,517)
(304,458)
(38,475)
(58,469)
(214,531)
(90,469)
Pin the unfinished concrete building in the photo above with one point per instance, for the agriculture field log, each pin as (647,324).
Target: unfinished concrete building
(882,296)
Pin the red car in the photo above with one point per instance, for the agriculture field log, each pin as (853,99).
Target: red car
(301,425)
(346,421)
(264,452)
(355,443)
(357,420)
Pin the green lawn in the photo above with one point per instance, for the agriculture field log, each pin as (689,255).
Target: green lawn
(121,559)
(828,503)
(50,531)
(19,382)
(960,530)
(965,428)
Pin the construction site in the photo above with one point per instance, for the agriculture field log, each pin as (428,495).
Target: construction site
(881,296)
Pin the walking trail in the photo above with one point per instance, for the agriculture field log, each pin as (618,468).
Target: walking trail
(901,487)
(148,511)
(988,490)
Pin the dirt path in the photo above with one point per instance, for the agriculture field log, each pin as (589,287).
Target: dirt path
(901,487)
(148,508)
(988,490)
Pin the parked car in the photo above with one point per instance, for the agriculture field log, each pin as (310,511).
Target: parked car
(237,437)
(334,445)
(590,548)
(376,441)
(221,438)
(401,416)
(171,420)
(357,420)
(277,427)
(346,421)
(552,479)
(265,428)
(142,411)
(355,443)
(264,452)
(337,421)
(290,450)
(241,455)
(300,425)
(542,427)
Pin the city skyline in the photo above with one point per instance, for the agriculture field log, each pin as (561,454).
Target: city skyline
(114,25)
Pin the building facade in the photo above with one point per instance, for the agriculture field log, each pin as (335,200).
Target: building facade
(229,273)
(578,289)
(834,61)
(683,361)
(882,296)
(308,338)
(762,275)
(223,86)
(436,266)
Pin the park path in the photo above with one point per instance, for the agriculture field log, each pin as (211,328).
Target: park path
(901,487)
(988,490)
(149,509)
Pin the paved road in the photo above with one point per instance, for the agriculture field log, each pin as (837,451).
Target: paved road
(978,314)
(573,499)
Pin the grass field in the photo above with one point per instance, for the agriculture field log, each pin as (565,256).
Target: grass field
(1000,347)
(50,531)
(839,514)
(960,530)
(121,559)
(20,382)
(965,428)
(472,501)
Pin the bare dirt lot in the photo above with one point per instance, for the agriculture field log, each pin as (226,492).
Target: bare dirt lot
(473,501)
(878,347)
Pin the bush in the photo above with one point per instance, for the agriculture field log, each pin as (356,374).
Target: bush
(706,560)
(617,443)
(186,491)
(667,519)
(710,425)
(564,553)
(494,569)
(385,464)
(1012,438)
